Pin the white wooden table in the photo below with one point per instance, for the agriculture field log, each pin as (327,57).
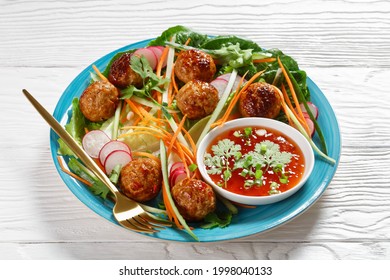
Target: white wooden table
(343,45)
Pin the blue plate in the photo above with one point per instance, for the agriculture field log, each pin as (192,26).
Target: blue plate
(248,221)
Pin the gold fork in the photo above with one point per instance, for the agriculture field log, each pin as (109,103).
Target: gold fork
(127,212)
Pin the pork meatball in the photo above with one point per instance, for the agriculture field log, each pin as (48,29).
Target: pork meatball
(121,75)
(194,65)
(197,99)
(99,100)
(141,179)
(194,199)
(260,100)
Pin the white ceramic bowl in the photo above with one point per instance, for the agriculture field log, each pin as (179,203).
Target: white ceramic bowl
(283,128)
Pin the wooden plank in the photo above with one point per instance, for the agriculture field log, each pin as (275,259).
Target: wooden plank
(128,250)
(57,34)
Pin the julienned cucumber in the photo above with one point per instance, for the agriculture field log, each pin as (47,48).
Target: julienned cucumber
(164,168)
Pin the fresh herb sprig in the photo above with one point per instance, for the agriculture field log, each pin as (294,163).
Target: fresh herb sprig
(265,156)
(151,81)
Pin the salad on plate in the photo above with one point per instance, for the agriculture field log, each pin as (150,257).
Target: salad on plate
(142,117)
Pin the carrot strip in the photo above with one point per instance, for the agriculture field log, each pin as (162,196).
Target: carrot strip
(101,76)
(182,157)
(144,154)
(263,60)
(238,94)
(190,140)
(173,139)
(294,96)
(133,107)
(161,61)
(72,174)
(171,214)
(284,105)
(187,42)
(174,84)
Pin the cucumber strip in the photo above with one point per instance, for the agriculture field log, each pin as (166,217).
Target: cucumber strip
(168,73)
(219,107)
(115,127)
(164,168)
(174,127)
(151,104)
(304,133)
(303,100)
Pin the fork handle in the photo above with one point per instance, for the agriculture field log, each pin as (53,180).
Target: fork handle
(72,144)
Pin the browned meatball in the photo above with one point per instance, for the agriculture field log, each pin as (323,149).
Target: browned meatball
(121,75)
(194,65)
(194,199)
(197,99)
(260,100)
(141,179)
(99,100)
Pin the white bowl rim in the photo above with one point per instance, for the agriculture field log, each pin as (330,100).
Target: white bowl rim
(276,125)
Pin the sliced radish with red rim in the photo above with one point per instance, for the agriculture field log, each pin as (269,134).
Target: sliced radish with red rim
(177,176)
(221,82)
(115,158)
(110,147)
(310,124)
(149,55)
(93,141)
(158,51)
(313,108)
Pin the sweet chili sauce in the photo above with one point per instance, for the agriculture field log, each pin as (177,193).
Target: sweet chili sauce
(235,184)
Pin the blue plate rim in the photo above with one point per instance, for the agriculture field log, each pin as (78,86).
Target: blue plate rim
(100,207)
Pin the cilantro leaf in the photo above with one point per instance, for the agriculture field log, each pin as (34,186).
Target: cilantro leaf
(151,81)
(226,148)
(213,220)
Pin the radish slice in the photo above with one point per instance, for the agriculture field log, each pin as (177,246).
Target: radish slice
(115,158)
(220,85)
(149,55)
(176,165)
(310,124)
(158,50)
(176,176)
(110,147)
(93,141)
(313,108)
(221,82)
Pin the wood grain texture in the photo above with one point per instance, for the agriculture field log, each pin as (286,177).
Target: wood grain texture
(343,46)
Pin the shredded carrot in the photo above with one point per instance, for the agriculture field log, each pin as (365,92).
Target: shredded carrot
(190,140)
(72,174)
(238,94)
(144,154)
(86,130)
(174,84)
(284,105)
(133,107)
(161,61)
(181,155)
(263,60)
(173,139)
(101,76)
(187,42)
(294,96)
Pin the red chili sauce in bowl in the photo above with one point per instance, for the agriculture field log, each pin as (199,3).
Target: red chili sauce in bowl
(254,161)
